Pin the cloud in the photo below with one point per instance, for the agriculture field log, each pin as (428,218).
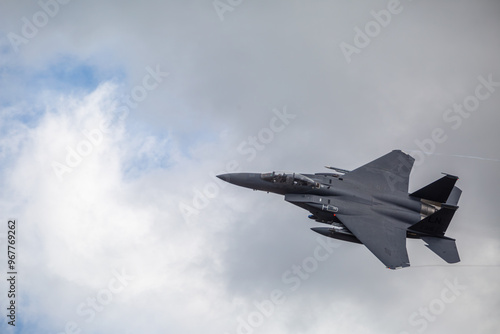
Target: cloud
(94,220)
(112,203)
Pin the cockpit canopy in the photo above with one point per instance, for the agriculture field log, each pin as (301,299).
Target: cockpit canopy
(295,179)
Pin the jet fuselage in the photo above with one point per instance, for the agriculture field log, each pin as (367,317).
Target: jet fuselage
(326,194)
(370,205)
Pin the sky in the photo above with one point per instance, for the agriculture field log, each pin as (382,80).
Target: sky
(115,117)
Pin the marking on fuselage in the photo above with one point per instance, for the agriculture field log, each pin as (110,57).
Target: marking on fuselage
(330,208)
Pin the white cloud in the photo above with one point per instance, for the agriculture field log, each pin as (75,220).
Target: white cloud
(74,232)
(118,208)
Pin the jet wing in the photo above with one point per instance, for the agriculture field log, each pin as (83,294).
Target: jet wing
(390,172)
(383,237)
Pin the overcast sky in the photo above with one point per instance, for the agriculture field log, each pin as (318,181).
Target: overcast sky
(116,115)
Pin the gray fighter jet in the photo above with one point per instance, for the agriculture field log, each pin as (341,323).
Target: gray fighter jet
(370,205)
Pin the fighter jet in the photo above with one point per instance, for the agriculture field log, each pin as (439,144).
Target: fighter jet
(370,205)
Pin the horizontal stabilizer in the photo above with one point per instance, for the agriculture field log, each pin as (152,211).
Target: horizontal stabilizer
(445,248)
(437,223)
(439,190)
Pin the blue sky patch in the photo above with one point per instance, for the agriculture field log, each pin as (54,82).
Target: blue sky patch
(69,74)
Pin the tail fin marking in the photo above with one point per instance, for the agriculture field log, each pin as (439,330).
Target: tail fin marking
(437,223)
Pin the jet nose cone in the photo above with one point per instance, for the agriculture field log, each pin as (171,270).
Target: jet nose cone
(248,180)
(222,176)
(234,178)
(228,177)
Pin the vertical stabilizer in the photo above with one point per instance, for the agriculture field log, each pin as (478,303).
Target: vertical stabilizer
(439,190)
(435,224)
(454,196)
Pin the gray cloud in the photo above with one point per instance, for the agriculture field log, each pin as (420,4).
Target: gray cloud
(120,207)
